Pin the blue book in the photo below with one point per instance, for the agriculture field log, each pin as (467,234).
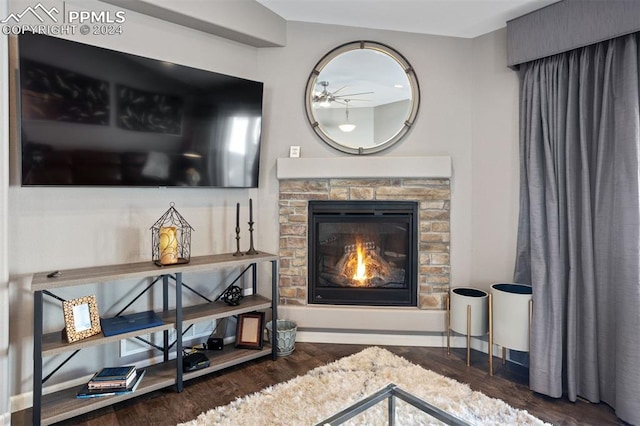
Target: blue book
(131,322)
(85,392)
(114,373)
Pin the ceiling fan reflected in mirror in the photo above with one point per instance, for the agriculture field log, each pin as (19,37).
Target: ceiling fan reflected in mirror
(324,98)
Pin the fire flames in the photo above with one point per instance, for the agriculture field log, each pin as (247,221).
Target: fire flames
(361,267)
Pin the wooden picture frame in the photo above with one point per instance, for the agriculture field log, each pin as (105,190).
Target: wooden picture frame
(81,318)
(250,330)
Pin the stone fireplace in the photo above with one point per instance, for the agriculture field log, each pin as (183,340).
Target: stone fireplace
(422,180)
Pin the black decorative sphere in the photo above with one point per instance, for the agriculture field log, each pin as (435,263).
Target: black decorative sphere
(233,295)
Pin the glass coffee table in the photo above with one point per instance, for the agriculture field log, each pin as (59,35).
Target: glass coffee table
(390,393)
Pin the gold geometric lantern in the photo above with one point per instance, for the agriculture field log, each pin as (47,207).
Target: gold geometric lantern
(171,238)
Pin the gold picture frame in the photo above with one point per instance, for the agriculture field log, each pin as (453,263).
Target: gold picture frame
(250,330)
(81,318)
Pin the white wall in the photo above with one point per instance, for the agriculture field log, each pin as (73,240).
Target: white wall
(5,416)
(495,162)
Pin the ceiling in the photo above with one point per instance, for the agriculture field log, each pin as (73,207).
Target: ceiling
(456,18)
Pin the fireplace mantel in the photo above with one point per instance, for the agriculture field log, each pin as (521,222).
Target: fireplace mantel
(364,167)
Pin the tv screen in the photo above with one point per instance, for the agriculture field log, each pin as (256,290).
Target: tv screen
(96,117)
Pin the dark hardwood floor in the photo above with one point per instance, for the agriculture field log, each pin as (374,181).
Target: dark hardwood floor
(166,407)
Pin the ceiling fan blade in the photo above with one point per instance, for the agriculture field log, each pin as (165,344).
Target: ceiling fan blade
(352,94)
(343,87)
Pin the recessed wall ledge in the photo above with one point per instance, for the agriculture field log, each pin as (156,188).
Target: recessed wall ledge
(364,167)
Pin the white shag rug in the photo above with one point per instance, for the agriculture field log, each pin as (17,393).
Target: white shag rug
(327,390)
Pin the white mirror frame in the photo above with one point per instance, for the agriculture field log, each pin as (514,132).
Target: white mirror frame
(355,45)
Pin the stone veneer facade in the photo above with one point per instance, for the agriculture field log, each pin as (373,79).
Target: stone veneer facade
(433,195)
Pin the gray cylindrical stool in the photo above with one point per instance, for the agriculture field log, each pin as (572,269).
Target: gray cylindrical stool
(467,314)
(510,310)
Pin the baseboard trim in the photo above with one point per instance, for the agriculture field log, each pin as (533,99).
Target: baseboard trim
(436,340)
(21,402)
(381,339)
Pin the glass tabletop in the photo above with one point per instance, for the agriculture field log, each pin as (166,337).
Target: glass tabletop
(390,393)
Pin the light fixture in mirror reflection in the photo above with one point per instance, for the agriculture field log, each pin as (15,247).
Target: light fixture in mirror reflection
(362,97)
(347,126)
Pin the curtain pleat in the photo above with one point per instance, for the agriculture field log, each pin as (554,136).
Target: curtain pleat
(579,226)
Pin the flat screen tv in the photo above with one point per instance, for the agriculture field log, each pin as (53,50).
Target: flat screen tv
(90,116)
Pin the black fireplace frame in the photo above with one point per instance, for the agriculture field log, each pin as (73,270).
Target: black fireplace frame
(320,211)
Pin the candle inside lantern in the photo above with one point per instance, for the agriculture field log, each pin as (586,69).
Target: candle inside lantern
(168,245)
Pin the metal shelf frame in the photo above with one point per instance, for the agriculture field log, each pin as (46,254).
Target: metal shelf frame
(202,263)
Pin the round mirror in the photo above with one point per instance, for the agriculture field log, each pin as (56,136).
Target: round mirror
(362,97)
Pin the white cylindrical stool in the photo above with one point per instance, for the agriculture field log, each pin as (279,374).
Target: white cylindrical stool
(467,314)
(510,311)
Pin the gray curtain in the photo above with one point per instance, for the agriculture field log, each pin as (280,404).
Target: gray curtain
(579,226)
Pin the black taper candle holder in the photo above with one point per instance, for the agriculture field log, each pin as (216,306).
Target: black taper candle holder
(251,249)
(238,252)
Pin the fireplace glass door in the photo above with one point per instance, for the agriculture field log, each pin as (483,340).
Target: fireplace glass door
(363,253)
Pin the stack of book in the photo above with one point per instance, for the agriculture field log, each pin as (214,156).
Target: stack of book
(112,381)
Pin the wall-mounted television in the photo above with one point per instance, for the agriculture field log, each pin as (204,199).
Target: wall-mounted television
(90,116)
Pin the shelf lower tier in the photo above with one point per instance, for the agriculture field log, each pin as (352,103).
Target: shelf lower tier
(63,405)
(228,357)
